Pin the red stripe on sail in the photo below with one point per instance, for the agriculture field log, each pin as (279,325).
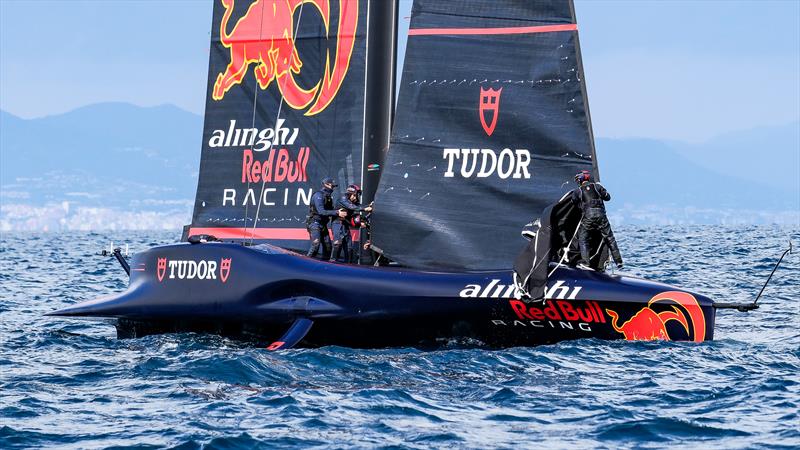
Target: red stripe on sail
(250,233)
(505,30)
(290,234)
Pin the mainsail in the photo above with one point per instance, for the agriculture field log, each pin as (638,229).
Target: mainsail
(284,108)
(491,125)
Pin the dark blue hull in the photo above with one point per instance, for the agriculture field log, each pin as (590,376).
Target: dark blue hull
(257,293)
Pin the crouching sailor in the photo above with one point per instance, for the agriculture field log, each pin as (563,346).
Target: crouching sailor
(320,211)
(591,197)
(350,203)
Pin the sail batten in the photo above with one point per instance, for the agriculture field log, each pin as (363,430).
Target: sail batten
(491,126)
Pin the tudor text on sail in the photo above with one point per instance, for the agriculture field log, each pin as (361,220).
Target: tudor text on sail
(482,163)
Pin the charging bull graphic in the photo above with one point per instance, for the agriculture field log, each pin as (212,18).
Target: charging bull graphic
(647,325)
(265,37)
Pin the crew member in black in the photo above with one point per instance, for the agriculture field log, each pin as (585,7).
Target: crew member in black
(350,203)
(591,196)
(320,211)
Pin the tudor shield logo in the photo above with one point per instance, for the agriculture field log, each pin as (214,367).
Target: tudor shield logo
(489,109)
(224,269)
(161,268)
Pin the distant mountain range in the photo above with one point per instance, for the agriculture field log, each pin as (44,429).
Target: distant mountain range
(109,165)
(116,165)
(117,151)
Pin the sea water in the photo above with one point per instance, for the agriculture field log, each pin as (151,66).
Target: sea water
(70,383)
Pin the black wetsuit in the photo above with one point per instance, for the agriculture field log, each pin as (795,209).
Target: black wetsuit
(341,228)
(591,197)
(319,213)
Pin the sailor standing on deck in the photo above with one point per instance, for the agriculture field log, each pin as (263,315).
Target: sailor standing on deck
(350,203)
(591,197)
(320,211)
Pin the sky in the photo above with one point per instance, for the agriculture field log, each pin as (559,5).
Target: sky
(677,70)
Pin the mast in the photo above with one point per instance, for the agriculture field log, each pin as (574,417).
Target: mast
(379,92)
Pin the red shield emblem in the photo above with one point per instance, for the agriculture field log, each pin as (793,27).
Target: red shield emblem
(224,269)
(489,105)
(161,268)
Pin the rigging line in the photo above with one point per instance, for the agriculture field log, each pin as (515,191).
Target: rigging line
(535,264)
(277,118)
(566,249)
(253,122)
(788,250)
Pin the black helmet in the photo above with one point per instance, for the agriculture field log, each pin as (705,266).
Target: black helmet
(329,180)
(583,176)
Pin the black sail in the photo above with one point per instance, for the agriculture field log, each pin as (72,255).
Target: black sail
(284,109)
(491,125)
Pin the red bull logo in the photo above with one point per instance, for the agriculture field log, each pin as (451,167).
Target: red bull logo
(265,37)
(489,105)
(649,325)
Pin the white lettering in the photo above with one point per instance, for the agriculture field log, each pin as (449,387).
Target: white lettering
(450,154)
(487,155)
(230,132)
(248,136)
(264,138)
(488,289)
(468,154)
(267,137)
(557,291)
(306,196)
(202,269)
(264,198)
(494,289)
(228,194)
(523,161)
(574,293)
(182,269)
(217,139)
(251,195)
(505,154)
(509,162)
(470,291)
(191,271)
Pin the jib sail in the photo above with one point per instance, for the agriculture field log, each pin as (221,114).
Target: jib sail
(284,109)
(491,126)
